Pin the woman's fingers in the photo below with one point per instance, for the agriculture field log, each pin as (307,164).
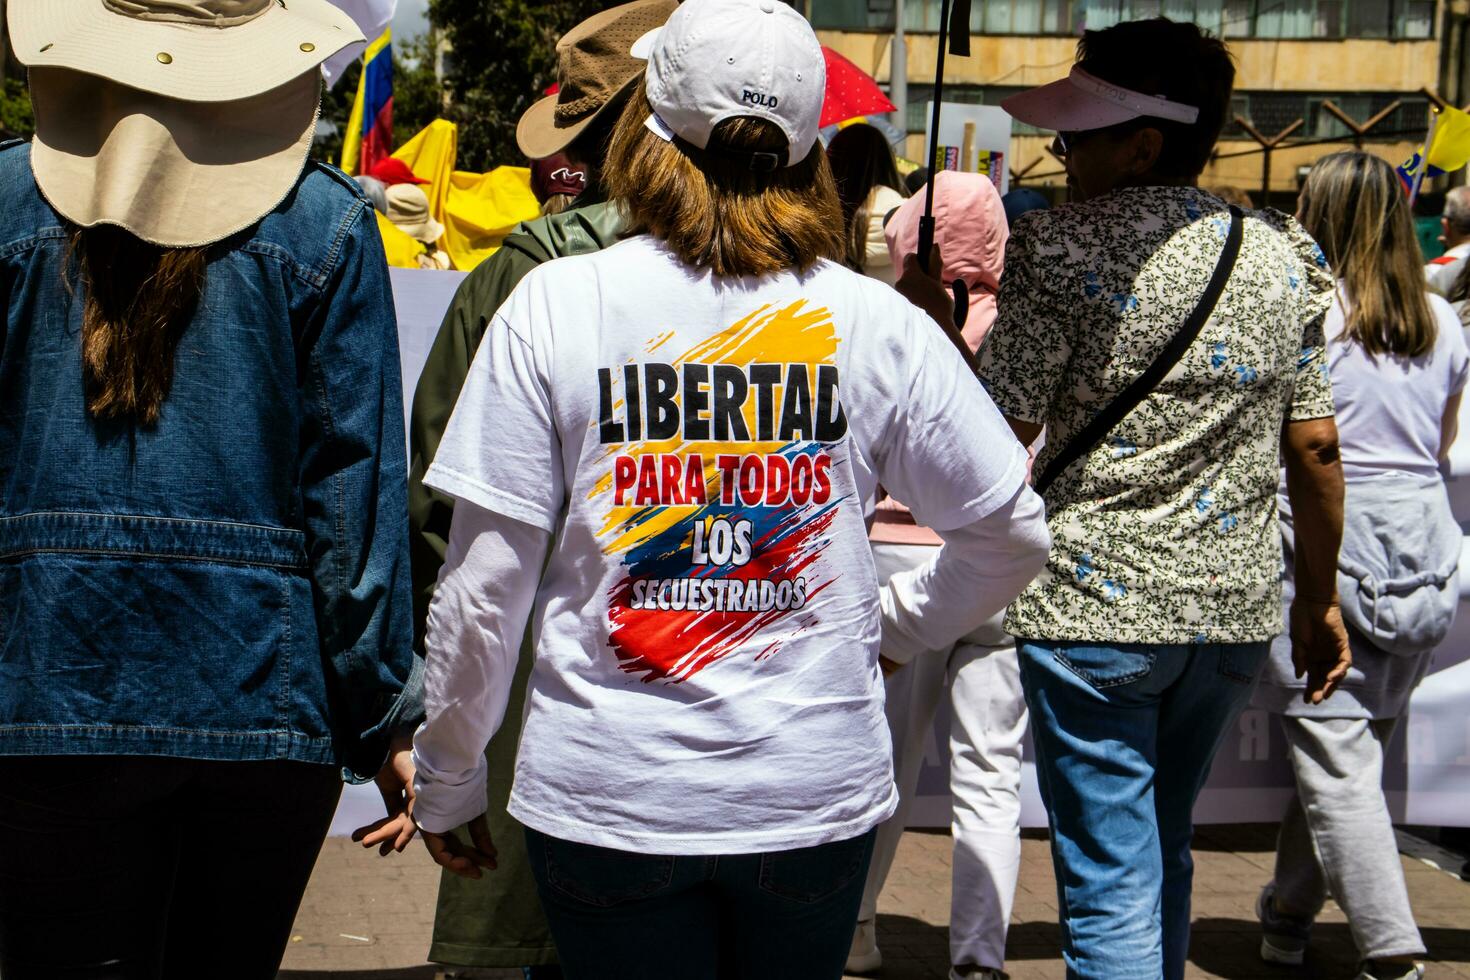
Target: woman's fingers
(461,859)
(440,850)
(373,832)
(393,800)
(391,833)
(406,832)
(480,835)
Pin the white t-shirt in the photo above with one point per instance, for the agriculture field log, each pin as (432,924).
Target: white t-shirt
(1445,270)
(707,626)
(1390,409)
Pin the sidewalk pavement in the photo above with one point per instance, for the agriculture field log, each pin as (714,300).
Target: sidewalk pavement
(366,918)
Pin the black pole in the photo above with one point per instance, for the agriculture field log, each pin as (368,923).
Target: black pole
(954,38)
(926,221)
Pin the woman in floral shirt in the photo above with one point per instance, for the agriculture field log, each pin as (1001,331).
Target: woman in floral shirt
(1140,639)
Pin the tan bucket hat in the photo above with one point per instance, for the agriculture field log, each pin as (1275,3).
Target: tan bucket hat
(594,65)
(408,209)
(182,158)
(194,50)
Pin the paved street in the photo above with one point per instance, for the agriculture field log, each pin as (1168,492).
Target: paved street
(369,919)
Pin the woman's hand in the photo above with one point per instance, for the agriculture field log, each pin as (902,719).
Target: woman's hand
(926,291)
(1319,647)
(395,783)
(465,860)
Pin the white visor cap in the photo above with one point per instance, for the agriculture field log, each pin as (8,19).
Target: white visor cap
(719,59)
(1082,101)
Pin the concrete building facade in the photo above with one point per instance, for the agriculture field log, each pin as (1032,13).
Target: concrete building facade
(1296,60)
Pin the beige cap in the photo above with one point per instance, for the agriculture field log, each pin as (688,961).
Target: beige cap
(194,50)
(408,209)
(176,174)
(594,64)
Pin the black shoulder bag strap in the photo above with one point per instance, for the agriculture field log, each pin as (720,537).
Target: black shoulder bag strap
(1129,398)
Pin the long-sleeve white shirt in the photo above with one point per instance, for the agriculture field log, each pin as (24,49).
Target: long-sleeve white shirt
(696,451)
(488,585)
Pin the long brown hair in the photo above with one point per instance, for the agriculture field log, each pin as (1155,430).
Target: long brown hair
(861,160)
(138,299)
(1354,206)
(716,212)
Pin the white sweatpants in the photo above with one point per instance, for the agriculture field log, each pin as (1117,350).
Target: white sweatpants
(983,678)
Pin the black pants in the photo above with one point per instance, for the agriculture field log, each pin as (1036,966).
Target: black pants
(782,915)
(141,868)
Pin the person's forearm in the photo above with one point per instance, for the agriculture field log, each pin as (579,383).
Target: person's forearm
(976,574)
(476,620)
(1314,484)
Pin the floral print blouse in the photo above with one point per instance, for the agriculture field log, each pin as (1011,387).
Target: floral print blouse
(1166,532)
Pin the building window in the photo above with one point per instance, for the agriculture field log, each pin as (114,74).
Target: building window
(1269,112)
(1399,19)
(920,97)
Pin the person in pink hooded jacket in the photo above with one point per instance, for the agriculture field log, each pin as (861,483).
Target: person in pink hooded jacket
(980,672)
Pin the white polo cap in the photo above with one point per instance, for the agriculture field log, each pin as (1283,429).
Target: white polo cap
(719,59)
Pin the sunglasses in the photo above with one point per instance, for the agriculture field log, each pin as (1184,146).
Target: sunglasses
(1067,139)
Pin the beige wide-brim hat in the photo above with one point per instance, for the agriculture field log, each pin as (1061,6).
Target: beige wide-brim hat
(194,50)
(178,174)
(181,129)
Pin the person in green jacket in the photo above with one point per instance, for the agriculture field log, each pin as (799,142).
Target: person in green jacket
(497,921)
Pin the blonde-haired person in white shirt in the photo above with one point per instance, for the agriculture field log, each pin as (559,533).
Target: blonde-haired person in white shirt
(1398,363)
(663,452)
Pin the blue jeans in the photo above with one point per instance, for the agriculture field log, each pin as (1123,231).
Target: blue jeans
(782,915)
(1124,738)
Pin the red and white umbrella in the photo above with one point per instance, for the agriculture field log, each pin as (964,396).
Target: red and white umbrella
(850,91)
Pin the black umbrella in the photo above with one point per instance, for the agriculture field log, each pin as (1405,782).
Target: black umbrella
(954,28)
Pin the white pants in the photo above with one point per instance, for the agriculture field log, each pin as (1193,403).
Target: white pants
(988,711)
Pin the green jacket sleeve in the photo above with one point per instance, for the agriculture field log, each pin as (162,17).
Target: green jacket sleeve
(429,511)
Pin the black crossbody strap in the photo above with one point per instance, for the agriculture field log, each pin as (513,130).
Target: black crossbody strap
(1129,398)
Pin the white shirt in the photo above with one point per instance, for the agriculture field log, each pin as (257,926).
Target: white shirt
(1390,409)
(679,439)
(1442,272)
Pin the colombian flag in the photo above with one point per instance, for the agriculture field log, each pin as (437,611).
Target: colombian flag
(369,138)
(1446,148)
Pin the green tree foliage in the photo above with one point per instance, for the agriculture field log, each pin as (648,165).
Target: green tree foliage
(16,117)
(502,57)
(418,98)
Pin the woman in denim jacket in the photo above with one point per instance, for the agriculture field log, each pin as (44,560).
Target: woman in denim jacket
(204,604)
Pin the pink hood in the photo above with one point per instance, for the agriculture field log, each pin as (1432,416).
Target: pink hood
(971,232)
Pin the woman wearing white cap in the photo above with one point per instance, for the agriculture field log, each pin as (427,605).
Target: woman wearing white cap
(662,456)
(204,606)
(1173,349)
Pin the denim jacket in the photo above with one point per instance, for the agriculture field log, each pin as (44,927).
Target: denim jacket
(233,582)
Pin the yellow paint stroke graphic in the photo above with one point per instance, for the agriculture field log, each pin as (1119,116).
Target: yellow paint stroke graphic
(772,334)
